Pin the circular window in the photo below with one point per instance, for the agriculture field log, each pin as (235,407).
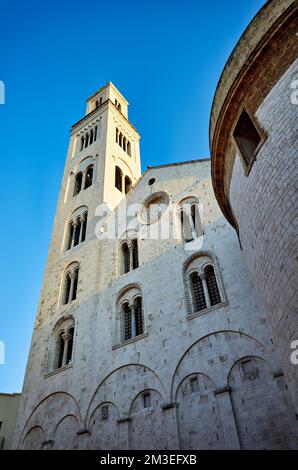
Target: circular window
(151,181)
(153,207)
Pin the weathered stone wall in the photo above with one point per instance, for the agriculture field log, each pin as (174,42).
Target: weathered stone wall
(63,408)
(265,206)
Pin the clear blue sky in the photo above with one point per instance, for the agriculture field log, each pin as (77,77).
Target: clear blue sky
(164,56)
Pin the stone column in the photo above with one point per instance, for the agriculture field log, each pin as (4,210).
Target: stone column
(228,421)
(124,424)
(83,180)
(82,220)
(83,438)
(171,425)
(72,276)
(74,224)
(66,337)
(205,288)
(47,445)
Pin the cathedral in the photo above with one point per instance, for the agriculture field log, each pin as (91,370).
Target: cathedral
(167,313)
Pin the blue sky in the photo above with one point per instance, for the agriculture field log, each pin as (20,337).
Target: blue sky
(164,56)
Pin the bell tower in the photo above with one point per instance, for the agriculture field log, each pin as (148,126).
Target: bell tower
(106,132)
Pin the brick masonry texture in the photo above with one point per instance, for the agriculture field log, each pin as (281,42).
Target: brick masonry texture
(265,206)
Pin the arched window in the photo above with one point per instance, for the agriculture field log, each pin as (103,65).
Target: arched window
(129,322)
(86,140)
(118,178)
(71,284)
(125,258)
(77,229)
(120,139)
(190,219)
(129,255)
(124,144)
(202,282)
(132,319)
(128,148)
(212,286)
(119,107)
(89,176)
(96,104)
(62,352)
(95,133)
(198,294)
(127,183)
(78,183)
(117,135)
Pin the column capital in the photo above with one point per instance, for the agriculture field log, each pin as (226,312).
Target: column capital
(225,389)
(125,419)
(66,336)
(169,406)
(72,274)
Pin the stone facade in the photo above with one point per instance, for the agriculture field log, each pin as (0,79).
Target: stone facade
(189,377)
(261,201)
(9,404)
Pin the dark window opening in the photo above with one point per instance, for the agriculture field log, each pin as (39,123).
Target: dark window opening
(126,258)
(91,137)
(212,285)
(75,284)
(247,137)
(128,148)
(78,184)
(127,183)
(135,254)
(67,289)
(70,346)
(77,233)
(89,176)
(118,178)
(138,316)
(198,292)
(127,321)
(151,181)
(82,143)
(95,133)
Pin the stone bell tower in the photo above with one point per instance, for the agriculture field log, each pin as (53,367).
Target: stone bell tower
(102,164)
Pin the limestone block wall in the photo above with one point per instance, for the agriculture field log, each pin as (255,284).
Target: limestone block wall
(265,206)
(207,374)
